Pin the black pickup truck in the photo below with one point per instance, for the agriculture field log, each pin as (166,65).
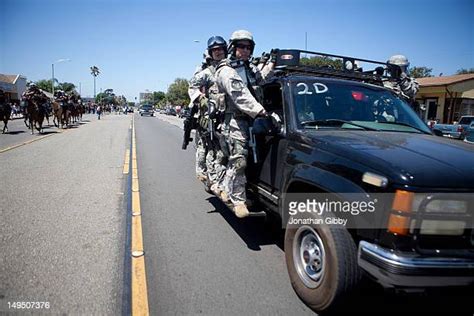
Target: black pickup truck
(340,132)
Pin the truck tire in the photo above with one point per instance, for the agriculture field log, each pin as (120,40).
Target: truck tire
(322,265)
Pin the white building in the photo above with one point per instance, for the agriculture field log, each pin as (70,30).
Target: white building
(13,85)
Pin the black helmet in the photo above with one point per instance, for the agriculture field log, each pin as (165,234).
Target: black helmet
(216,41)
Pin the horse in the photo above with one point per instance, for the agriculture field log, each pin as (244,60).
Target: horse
(5,112)
(35,114)
(57,113)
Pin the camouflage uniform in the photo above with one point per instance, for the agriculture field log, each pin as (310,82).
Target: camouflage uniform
(202,79)
(239,82)
(406,87)
(213,156)
(203,91)
(403,85)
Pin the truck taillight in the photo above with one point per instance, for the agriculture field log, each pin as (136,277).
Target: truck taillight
(460,129)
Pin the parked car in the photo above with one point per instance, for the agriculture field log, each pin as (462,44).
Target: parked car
(464,124)
(469,135)
(171,111)
(147,109)
(449,130)
(340,133)
(184,112)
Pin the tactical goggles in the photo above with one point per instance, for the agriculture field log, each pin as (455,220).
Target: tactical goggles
(216,41)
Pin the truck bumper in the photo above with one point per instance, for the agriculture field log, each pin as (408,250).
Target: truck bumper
(409,270)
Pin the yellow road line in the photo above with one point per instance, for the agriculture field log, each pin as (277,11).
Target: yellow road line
(135,187)
(139,287)
(136,203)
(139,302)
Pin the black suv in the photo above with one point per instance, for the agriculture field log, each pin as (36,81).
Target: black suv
(147,109)
(341,133)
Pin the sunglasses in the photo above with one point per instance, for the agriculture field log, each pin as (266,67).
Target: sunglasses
(242,46)
(216,49)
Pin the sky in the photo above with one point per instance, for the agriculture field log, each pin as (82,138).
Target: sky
(141,45)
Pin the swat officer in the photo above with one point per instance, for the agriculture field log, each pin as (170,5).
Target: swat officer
(239,81)
(203,90)
(401,84)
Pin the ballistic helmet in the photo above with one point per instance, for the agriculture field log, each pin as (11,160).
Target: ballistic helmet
(240,35)
(399,60)
(216,41)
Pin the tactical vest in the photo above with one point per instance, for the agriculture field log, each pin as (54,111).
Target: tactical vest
(248,73)
(211,92)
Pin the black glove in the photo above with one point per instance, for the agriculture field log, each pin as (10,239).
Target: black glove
(273,55)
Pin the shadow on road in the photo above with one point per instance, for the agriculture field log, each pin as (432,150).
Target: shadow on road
(255,232)
(13,132)
(46,133)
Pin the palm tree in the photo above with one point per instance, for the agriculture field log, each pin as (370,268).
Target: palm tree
(94,72)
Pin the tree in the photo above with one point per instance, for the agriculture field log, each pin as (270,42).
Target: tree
(321,61)
(67,87)
(107,97)
(158,96)
(45,85)
(95,72)
(463,71)
(420,72)
(178,92)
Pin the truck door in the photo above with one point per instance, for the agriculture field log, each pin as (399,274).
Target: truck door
(267,173)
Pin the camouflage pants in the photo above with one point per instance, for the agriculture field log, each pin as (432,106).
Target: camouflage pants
(215,167)
(235,179)
(200,157)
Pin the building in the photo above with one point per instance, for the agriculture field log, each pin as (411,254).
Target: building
(447,98)
(13,85)
(146,96)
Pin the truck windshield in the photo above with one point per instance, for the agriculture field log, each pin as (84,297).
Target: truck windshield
(331,104)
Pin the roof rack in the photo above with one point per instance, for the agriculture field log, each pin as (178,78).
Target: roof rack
(292,61)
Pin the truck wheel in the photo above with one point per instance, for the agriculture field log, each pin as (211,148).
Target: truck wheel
(322,265)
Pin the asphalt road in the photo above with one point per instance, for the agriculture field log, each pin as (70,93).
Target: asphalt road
(199,257)
(18,133)
(62,227)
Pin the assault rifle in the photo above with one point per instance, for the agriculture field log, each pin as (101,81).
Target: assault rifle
(189,124)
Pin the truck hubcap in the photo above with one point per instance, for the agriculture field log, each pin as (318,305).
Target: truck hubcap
(309,256)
